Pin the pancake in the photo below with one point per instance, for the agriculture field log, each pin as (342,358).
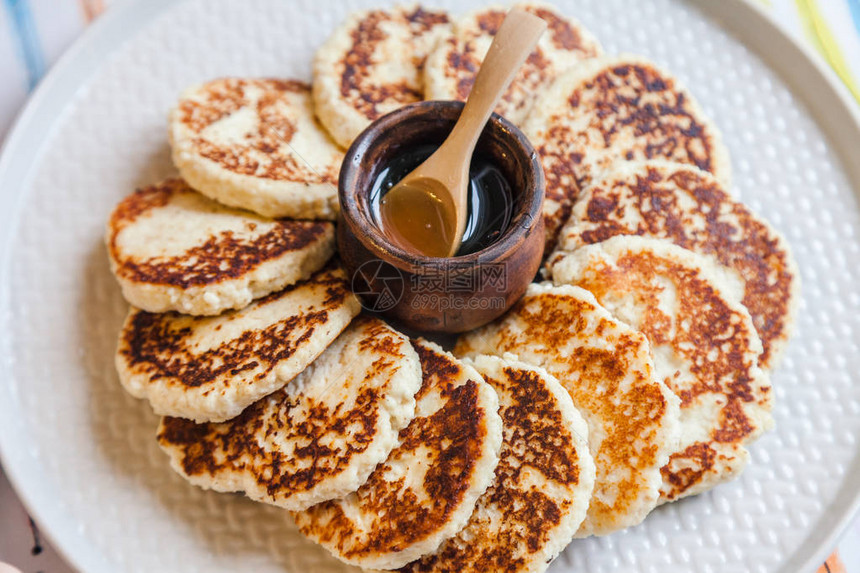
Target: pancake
(318,438)
(543,481)
(611,108)
(371,65)
(255,144)
(452,67)
(424,493)
(171,248)
(209,369)
(692,209)
(606,367)
(704,344)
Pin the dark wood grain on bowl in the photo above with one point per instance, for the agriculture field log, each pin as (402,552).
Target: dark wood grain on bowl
(439,294)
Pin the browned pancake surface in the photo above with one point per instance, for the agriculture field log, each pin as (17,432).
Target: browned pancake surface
(154,346)
(358,86)
(266,152)
(542,483)
(454,70)
(610,109)
(606,367)
(704,343)
(211,368)
(693,210)
(430,482)
(372,65)
(221,257)
(316,439)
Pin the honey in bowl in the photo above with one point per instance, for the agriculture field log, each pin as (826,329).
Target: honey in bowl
(427,225)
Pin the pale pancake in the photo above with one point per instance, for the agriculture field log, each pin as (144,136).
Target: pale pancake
(452,67)
(171,248)
(692,209)
(543,481)
(372,65)
(318,438)
(606,367)
(611,108)
(209,369)
(255,144)
(704,344)
(426,490)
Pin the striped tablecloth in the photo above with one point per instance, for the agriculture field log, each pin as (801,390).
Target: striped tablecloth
(33,34)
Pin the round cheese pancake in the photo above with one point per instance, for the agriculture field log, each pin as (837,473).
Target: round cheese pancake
(452,67)
(692,209)
(543,481)
(372,65)
(611,108)
(173,249)
(426,490)
(704,344)
(606,367)
(209,369)
(319,437)
(255,144)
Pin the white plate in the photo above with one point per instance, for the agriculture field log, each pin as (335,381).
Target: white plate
(81,452)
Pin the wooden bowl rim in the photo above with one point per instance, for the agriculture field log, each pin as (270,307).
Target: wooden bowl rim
(364,229)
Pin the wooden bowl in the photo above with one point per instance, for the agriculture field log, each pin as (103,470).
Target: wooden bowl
(429,294)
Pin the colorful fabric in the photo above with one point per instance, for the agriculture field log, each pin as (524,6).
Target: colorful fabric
(33,34)
(831,27)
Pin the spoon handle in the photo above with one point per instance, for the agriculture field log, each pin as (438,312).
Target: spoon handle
(512,44)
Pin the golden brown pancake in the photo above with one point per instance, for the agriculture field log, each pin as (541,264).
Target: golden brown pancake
(426,490)
(692,209)
(452,67)
(372,65)
(318,438)
(606,367)
(171,248)
(255,144)
(543,482)
(616,108)
(704,344)
(209,369)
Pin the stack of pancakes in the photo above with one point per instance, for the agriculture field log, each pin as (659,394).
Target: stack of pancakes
(635,374)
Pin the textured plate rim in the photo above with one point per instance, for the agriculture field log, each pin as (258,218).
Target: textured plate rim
(27,137)
(823,94)
(836,112)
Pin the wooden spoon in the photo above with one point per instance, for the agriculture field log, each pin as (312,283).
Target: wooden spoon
(426,212)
